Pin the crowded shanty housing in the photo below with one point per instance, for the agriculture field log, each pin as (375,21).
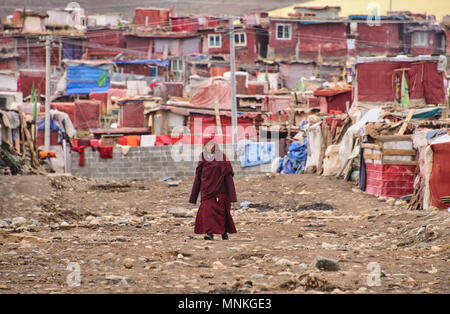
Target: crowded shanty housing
(316,92)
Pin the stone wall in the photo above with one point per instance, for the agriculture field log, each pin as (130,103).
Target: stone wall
(149,163)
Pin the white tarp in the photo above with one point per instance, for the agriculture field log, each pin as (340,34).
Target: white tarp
(314,136)
(373,115)
(331,163)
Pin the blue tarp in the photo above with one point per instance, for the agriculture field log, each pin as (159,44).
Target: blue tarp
(164,63)
(295,160)
(82,79)
(54,126)
(257,153)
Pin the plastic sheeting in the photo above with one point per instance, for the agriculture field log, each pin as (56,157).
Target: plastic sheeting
(257,153)
(331,163)
(347,141)
(207,96)
(439,176)
(295,160)
(82,79)
(375,81)
(314,138)
(87,114)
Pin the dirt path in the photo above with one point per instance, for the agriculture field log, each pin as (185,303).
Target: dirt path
(123,239)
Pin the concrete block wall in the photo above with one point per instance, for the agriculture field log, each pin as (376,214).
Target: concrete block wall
(149,163)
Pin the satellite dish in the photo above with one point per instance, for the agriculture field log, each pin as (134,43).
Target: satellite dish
(73,6)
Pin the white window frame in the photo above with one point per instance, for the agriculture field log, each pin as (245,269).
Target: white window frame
(284,26)
(215,41)
(423,42)
(179,64)
(239,43)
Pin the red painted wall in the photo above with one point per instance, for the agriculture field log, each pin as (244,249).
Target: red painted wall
(184,23)
(374,40)
(156,17)
(434,42)
(137,46)
(331,37)
(110,38)
(284,48)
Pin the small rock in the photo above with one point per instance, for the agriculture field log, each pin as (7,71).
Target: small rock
(362,289)
(218,265)
(143,259)
(94,222)
(400,202)
(179,211)
(285,273)
(207,275)
(324,263)
(422,245)
(180,256)
(121,238)
(283,262)
(128,263)
(435,248)
(4,224)
(115,279)
(303,266)
(258,276)
(64,226)
(18,222)
(390,201)
(94,261)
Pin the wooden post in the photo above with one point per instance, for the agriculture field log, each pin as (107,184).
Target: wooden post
(218,122)
(405,123)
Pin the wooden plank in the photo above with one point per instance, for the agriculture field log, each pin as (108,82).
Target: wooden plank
(372,156)
(390,138)
(371,146)
(399,152)
(405,123)
(400,163)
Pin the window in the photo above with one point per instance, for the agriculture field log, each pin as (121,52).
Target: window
(420,39)
(177,65)
(240,39)
(284,31)
(214,41)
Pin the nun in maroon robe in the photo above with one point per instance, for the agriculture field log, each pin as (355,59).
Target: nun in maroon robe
(214,180)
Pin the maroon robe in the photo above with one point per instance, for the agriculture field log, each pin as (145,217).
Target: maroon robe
(214,180)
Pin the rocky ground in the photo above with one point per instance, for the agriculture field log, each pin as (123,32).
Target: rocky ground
(298,233)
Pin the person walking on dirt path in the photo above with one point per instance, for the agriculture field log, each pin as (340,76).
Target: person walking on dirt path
(214,180)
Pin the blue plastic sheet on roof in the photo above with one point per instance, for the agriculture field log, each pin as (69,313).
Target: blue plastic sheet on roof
(163,63)
(82,79)
(257,153)
(373,17)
